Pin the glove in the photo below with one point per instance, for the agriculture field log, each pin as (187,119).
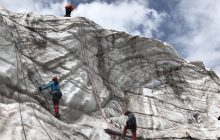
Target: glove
(40,88)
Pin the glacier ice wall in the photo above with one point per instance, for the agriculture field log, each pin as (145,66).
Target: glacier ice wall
(102,73)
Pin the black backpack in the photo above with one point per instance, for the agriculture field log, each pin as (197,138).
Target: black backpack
(60,95)
(57,94)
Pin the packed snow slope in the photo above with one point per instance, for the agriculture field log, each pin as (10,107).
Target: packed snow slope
(102,73)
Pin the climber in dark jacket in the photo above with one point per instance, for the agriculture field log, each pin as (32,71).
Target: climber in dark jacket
(56,94)
(130,124)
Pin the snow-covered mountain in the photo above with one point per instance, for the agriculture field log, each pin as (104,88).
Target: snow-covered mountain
(102,73)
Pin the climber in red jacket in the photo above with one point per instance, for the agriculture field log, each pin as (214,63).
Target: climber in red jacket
(69,8)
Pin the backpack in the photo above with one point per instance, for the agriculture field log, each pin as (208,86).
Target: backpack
(60,94)
(57,94)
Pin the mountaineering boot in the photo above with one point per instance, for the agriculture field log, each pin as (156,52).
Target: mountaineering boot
(57,115)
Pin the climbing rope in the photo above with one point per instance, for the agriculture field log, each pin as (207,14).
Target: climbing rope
(85,57)
(22,68)
(18,57)
(19,100)
(35,67)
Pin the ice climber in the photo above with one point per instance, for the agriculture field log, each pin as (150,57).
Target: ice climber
(56,94)
(69,8)
(130,124)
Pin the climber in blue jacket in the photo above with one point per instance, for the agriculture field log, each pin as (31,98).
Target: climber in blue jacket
(56,94)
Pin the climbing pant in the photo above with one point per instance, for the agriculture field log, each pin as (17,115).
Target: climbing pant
(56,106)
(132,130)
(68,13)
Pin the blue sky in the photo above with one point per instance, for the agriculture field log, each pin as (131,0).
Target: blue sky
(190,26)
